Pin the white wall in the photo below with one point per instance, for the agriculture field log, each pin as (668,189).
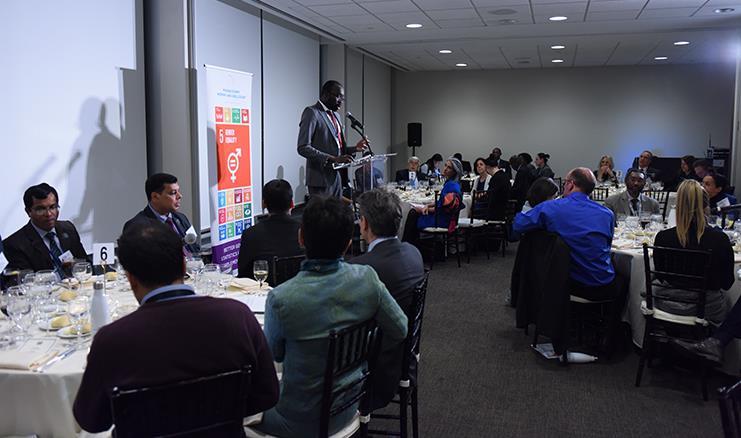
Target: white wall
(291,70)
(576,115)
(72,111)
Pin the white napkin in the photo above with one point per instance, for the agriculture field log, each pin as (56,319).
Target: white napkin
(32,354)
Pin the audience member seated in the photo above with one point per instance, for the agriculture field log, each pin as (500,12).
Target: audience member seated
(716,186)
(687,169)
(163,194)
(692,232)
(411,173)
(499,190)
(328,294)
(524,178)
(448,206)
(275,235)
(44,242)
(543,189)
(481,182)
(587,228)
(174,335)
(431,167)
(496,155)
(542,169)
(643,163)
(367,177)
(399,267)
(606,171)
(703,168)
(632,202)
(466,164)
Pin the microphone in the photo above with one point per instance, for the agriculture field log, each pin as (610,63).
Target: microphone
(727,208)
(355,122)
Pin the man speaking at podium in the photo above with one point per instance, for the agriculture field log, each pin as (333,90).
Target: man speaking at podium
(321,140)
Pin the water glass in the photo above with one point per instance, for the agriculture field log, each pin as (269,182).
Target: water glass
(260,271)
(209,278)
(193,265)
(657,222)
(82,271)
(19,309)
(78,310)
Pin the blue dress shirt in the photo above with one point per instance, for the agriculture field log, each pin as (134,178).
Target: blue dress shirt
(585,226)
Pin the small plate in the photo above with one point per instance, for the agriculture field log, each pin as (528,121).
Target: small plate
(65,333)
(46,326)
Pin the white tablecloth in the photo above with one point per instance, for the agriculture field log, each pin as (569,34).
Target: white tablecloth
(41,403)
(418,197)
(629,263)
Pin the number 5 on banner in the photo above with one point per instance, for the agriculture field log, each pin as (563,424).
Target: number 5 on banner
(103,253)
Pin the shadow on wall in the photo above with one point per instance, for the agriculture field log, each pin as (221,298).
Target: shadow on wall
(300,193)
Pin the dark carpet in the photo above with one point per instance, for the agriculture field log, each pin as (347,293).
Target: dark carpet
(479,377)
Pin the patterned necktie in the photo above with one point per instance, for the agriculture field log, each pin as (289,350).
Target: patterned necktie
(634,204)
(336,125)
(55,252)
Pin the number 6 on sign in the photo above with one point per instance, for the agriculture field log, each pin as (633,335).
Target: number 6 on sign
(103,253)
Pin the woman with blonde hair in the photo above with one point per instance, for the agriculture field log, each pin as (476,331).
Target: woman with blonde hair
(605,171)
(693,232)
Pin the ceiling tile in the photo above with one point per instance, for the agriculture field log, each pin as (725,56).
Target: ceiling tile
(357,20)
(453,24)
(404,18)
(709,11)
(661,4)
(321,2)
(667,13)
(566,9)
(453,14)
(500,3)
(338,10)
(612,16)
(617,5)
(389,7)
(433,5)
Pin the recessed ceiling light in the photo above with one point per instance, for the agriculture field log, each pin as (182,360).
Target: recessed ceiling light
(556,61)
(559,18)
(414,25)
(660,58)
(558,47)
(445,51)
(681,43)
(461,64)
(723,10)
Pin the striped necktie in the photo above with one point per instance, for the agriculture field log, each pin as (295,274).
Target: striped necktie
(55,252)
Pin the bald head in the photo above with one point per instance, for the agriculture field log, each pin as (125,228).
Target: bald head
(582,180)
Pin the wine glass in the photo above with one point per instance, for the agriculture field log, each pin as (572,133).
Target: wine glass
(78,310)
(657,222)
(210,276)
(82,271)
(19,309)
(260,270)
(193,265)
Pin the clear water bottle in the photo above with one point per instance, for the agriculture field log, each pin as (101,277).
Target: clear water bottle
(99,314)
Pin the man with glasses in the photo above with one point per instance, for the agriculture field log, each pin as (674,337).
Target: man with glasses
(322,141)
(44,242)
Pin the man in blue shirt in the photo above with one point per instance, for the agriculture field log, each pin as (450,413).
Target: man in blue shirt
(587,228)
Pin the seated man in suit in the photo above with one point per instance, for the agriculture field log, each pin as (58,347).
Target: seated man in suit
(174,335)
(367,177)
(328,294)
(44,242)
(631,202)
(411,172)
(643,163)
(400,268)
(274,236)
(163,194)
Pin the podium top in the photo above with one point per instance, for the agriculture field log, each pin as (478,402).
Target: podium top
(363,161)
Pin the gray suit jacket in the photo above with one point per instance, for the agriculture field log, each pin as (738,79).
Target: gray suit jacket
(620,204)
(316,142)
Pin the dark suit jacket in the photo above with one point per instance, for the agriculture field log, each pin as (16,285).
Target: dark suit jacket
(181,223)
(169,341)
(399,267)
(524,178)
(316,142)
(25,249)
(504,164)
(403,175)
(499,194)
(274,236)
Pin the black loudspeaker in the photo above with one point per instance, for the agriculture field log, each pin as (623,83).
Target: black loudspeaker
(414,134)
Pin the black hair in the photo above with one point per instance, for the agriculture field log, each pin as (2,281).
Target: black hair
(541,190)
(690,160)
(633,170)
(525,158)
(491,162)
(436,157)
(720,181)
(156,183)
(382,210)
(327,225)
(40,192)
(583,179)
(543,156)
(485,160)
(705,164)
(152,253)
(330,86)
(277,195)
(458,155)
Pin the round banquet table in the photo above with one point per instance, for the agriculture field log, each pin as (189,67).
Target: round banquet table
(34,403)
(628,261)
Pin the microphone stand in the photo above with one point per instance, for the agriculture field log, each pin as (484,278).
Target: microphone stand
(361,131)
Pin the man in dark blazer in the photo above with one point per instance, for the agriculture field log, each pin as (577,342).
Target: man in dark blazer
(524,178)
(399,267)
(643,163)
(496,154)
(367,177)
(275,235)
(499,190)
(44,242)
(321,140)
(163,194)
(174,335)
(404,175)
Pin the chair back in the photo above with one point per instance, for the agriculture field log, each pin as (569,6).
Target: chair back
(349,349)
(285,268)
(729,399)
(660,196)
(599,194)
(677,269)
(414,334)
(559,181)
(480,200)
(205,406)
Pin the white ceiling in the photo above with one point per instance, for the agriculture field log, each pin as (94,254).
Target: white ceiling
(504,34)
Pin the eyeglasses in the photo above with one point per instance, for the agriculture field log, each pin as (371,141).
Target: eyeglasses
(44,210)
